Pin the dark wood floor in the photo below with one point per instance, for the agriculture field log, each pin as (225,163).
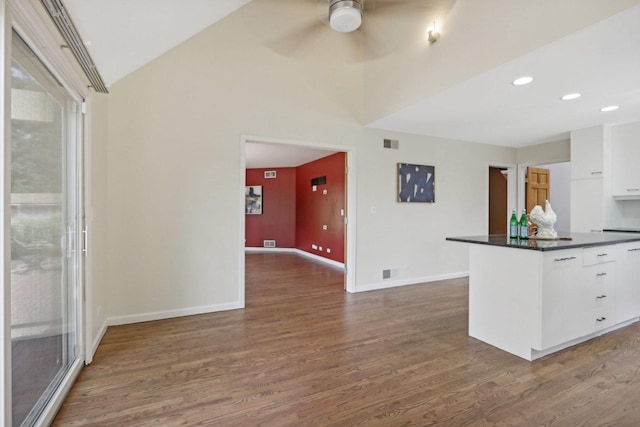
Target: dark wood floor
(304,352)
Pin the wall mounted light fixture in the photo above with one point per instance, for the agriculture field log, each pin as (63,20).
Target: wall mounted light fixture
(432,34)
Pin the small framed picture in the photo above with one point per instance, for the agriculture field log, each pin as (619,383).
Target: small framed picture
(253,200)
(416,183)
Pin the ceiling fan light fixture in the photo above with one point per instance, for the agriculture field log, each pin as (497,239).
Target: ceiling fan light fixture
(345,16)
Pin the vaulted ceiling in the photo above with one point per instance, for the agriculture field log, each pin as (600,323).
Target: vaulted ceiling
(600,61)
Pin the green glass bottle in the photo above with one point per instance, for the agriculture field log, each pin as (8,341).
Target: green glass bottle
(513,225)
(524,225)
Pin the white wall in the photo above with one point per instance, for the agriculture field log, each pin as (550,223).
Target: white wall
(175,180)
(409,238)
(175,177)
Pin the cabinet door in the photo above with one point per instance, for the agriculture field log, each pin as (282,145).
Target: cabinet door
(565,303)
(587,205)
(628,281)
(587,147)
(626,152)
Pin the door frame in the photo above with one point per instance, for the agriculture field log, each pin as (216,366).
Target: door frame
(29,24)
(522,176)
(350,217)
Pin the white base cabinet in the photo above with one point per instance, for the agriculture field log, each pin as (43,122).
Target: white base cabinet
(532,303)
(563,306)
(628,281)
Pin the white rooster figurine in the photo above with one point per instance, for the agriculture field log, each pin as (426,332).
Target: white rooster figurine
(544,220)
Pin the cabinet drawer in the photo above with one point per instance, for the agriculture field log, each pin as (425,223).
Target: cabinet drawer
(600,280)
(598,255)
(603,317)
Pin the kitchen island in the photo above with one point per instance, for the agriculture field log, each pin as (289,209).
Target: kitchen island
(535,297)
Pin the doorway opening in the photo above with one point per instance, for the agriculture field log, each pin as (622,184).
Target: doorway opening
(552,182)
(264,158)
(501,197)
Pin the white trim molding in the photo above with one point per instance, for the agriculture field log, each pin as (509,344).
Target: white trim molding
(169,314)
(299,252)
(409,282)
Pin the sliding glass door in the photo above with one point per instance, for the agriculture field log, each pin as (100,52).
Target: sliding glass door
(45,241)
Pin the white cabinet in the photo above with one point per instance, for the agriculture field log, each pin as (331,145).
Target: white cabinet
(587,211)
(628,281)
(625,170)
(532,303)
(565,299)
(587,147)
(578,294)
(587,178)
(599,277)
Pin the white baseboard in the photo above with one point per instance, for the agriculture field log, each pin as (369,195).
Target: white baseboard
(321,259)
(259,249)
(408,282)
(96,342)
(298,252)
(168,314)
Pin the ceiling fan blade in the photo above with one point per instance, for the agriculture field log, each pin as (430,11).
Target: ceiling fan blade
(426,9)
(294,43)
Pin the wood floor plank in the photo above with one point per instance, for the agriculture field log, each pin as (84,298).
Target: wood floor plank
(304,352)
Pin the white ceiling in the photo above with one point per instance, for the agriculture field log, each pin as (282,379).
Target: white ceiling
(602,62)
(262,155)
(126,34)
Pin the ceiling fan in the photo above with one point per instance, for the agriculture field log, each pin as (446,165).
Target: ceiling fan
(345,15)
(387,26)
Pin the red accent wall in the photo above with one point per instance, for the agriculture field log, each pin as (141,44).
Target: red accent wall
(278,218)
(293,214)
(315,209)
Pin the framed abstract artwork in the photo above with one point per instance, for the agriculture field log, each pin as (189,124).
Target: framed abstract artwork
(253,200)
(416,183)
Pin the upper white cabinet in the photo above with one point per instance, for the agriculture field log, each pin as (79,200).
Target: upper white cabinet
(587,213)
(588,170)
(626,152)
(587,148)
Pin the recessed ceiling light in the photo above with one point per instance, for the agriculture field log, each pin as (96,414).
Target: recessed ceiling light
(522,81)
(609,108)
(570,96)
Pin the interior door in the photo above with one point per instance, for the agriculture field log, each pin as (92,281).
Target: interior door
(537,187)
(497,201)
(45,260)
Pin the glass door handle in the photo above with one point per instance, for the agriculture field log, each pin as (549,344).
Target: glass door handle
(84,240)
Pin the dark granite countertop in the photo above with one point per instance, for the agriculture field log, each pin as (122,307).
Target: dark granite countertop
(622,230)
(578,240)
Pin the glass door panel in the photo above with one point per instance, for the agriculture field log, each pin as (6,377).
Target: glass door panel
(44,223)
